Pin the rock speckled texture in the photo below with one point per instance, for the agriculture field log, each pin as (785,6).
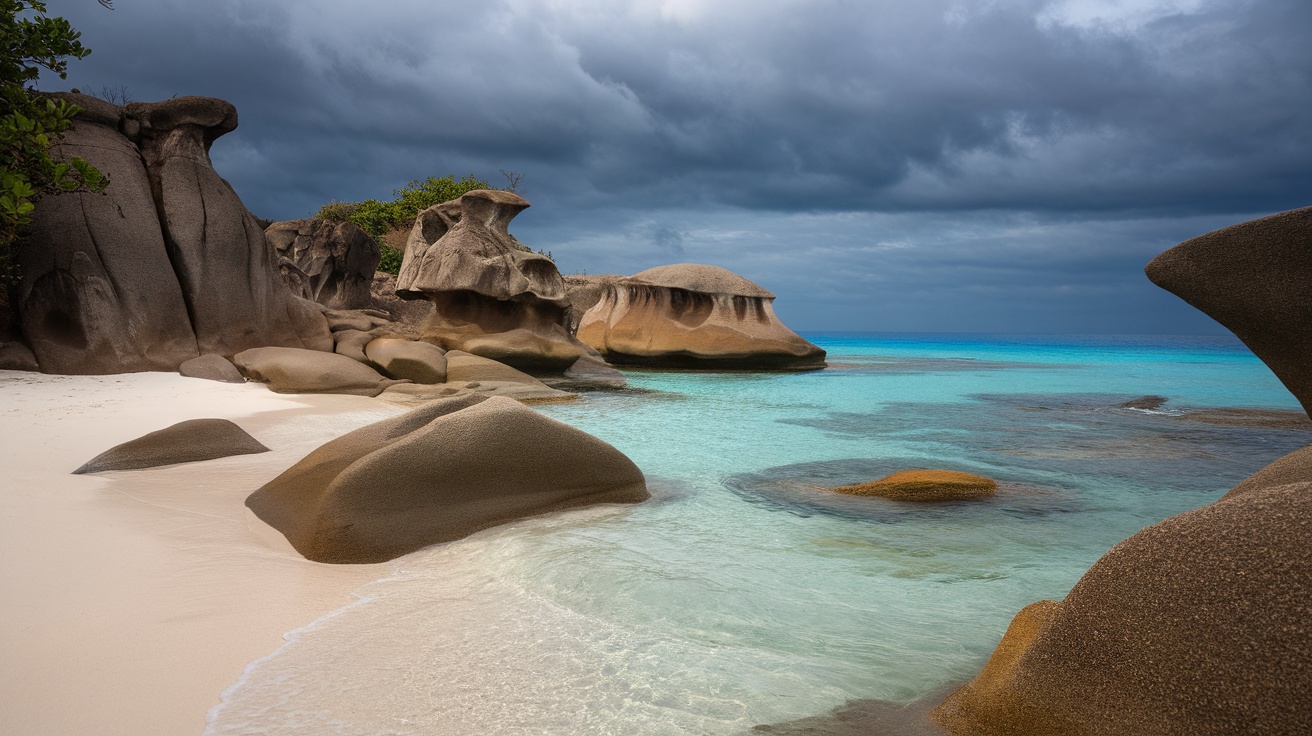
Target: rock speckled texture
(439,473)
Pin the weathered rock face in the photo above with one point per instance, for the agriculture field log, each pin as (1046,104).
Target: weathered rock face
(491,297)
(584,291)
(185,442)
(438,473)
(1195,625)
(332,263)
(166,265)
(1252,278)
(693,316)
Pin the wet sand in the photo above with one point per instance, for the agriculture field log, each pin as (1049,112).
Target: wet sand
(134,598)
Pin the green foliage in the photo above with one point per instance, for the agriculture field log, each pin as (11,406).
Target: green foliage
(29,123)
(377,218)
(391,260)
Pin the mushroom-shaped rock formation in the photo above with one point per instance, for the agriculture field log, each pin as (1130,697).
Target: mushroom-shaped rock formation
(332,263)
(1253,278)
(212,368)
(925,485)
(166,265)
(1196,625)
(296,371)
(491,296)
(439,473)
(693,316)
(185,442)
(420,362)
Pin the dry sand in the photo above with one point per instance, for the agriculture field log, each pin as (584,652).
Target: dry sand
(132,599)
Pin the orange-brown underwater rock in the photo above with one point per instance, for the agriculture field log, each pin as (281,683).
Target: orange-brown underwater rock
(925,485)
(491,296)
(693,316)
(1196,625)
(439,473)
(1253,278)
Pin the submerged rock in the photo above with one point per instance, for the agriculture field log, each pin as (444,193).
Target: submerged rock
(1252,278)
(693,316)
(491,296)
(439,473)
(185,442)
(925,485)
(1195,625)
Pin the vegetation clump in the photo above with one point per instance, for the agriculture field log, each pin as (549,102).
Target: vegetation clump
(30,123)
(382,219)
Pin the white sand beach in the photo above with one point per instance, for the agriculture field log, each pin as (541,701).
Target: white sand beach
(134,598)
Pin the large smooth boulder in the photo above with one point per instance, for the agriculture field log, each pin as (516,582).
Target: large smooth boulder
(166,265)
(299,371)
(1253,278)
(211,367)
(693,316)
(1196,625)
(584,291)
(185,442)
(439,473)
(98,292)
(491,296)
(418,361)
(325,261)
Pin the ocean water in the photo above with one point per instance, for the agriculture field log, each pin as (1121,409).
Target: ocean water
(742,593)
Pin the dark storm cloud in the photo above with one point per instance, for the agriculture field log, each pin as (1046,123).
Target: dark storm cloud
(957,153)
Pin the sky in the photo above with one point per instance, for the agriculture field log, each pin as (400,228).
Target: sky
(880,165)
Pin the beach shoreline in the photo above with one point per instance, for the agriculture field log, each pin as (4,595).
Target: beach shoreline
(134,599)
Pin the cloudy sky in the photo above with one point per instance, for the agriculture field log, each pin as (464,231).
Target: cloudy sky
(910,165)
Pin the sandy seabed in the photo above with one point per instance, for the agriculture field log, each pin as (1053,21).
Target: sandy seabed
(132,599)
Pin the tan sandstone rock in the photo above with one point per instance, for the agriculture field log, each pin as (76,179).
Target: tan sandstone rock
(420,362)
(693,316)
(185,442)
(294,371)
(211,367)
(439,473)
(490,296)
(925,485)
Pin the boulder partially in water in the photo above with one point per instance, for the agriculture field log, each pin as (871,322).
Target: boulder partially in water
(185,442)
(1195,625)
(691,315)
(439,473)
(1252,278)
(925,485)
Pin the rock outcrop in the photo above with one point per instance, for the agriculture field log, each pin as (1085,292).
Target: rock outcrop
(491,297)
(420,362)
(185,442)
(925,485)
(166,265)
(693,316)
(439,473)
(332,263)
(584,291)
(1252,278)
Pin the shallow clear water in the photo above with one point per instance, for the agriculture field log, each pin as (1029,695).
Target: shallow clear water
(742,594)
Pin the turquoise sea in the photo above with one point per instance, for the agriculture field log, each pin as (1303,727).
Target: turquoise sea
(744,595)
